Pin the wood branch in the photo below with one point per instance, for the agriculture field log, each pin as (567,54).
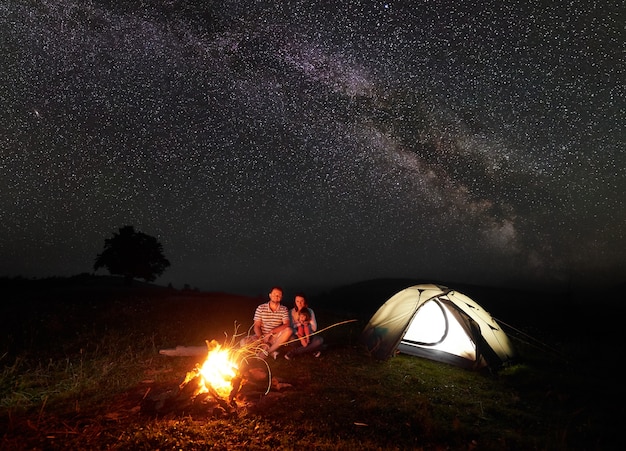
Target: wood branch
(184,351)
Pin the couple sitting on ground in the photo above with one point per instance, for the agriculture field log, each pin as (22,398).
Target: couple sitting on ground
(277,326)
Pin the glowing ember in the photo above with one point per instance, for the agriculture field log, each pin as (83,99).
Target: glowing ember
(217,371)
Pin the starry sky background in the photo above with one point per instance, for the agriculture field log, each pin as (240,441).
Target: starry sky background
(315,144)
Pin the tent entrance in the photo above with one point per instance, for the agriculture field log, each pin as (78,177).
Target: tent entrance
(439,332)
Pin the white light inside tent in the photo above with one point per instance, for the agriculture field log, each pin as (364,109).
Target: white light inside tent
(429,326)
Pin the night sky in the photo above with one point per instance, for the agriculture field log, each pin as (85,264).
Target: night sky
(316,144)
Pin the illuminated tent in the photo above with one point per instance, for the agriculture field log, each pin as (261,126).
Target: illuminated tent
(437,323)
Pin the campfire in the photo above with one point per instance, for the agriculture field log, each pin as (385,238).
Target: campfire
(217,373)
(224,370)
(231,373)
(228,374)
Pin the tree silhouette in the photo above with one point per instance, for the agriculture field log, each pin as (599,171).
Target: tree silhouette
(132,255)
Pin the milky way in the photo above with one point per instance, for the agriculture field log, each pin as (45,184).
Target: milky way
(318,143)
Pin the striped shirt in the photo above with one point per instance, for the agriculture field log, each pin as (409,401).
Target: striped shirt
(270,319)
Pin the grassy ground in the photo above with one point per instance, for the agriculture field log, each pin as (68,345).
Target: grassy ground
(78,362)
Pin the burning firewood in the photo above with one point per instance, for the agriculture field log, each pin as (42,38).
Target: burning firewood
(224,371)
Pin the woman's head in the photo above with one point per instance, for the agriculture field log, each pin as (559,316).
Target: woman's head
(300,301)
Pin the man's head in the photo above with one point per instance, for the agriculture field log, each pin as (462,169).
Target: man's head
(276,295)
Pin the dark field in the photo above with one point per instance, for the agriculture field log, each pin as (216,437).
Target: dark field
(80,363)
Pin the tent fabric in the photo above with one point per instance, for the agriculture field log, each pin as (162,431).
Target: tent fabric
(435,322)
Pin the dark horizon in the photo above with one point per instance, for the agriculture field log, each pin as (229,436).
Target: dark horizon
(360,287)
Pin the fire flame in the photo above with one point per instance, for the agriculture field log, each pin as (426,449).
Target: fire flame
(217,371)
